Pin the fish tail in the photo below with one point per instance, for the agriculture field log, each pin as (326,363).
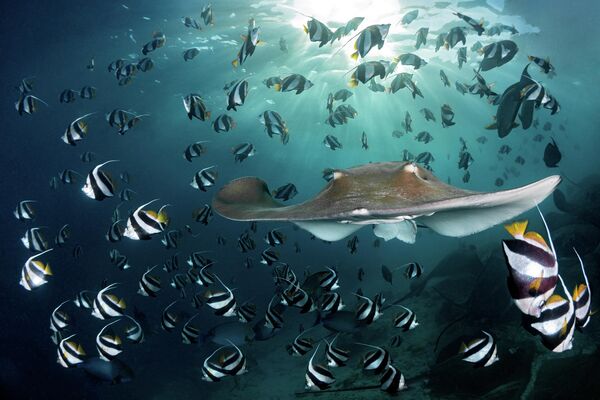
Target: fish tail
(277,87)
(235,63)
(354,56)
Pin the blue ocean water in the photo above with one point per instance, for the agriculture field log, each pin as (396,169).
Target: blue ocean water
(52,43)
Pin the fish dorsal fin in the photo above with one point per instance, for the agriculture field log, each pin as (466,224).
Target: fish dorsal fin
(517,228)
(152,214)
(555,298)
(536,237)
(463,348)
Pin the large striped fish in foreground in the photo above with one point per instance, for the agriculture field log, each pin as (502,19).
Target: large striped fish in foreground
(532,267)
(393,196)
(98,184)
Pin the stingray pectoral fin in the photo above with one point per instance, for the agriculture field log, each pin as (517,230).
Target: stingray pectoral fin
(474,213)
(328,229)
(405,231)
(246,199)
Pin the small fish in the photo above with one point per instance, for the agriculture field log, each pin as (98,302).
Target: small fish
(293,82)
(368,311)
(169,319)
(149,284)
(194,150)
(461,56)
(158,41)
(377,360)
(544,64)
(190,54)
(497,54)
(143,224)
(145,64)
(273,318)
(77,251)
(25,210)
(190,334)
(413,270)
(269,257)
(171,239)
(318,377)
(70,353)
(447,116)
(332,302)
(392,380)
(204,178)
(84,299)
(455,36)
(237,95)
(115,232)
(59,320)
(364,142)
(409,17)
(444,78)
(332,142)
(246,312)
(480,352)
(28,104)
(246,243)
(243,151)
(34,240)
(421,37)
(203,214)
(413,60)
(223,123)
(406,320)
(107,306)
(387,274)
(371,36)
(336,357)
(250,41)
(361,274)
(300,346)
(552,155)
(285,192)
(318,32)
(34,272)
(223,303)
(99,185)
(91,64)
(87,92)
(275,238)
(109,345)
(195,107)
(477,26)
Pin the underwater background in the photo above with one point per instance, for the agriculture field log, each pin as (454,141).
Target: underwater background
(463,289)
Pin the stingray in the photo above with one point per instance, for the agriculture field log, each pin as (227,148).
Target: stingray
(395,197)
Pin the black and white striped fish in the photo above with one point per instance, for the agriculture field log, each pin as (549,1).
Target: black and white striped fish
(197,260)
(376,360)
(223,123)
(556,323)
(76,130)
(237,95)
(190,22)
(233,363)
(115,232)
(285,192)
(368,70)
(269,256)
(143,224)
(318,32)
(211,372)
(171,239)
(332,302)
(126,194)
(413,270)
(194,150)
(195,107)
(481,352)
(532,267)
(197,300)
(223,302)
(59,319)
(282,273)
(134,332)
(179,282)
(149,284)
(300,346)
(67,96)
(119,260)
(158,40)
(275,238)
(63,235)
(392,380)
(246,312)
(171,264)
(371,36)
(293,82)
(242,151)
(34,239)
(245,243)
(28,104)
(203,214)
(368,311)
(336,357)
(295,296)
(190,54)
(34,272)
(26,85)
(250,41)
(317,376)
(203,276)
(25,210)
(582,296)
(98,184)
(169,319)
(406,320)
(273,318)
(331,142)
(87,92)
(329,279)
(109,344)
(189,333)
(68,176)
(84,299)
(107,306)
(70,353)
(204,178)
(396,341)
(118,118)
(145,64)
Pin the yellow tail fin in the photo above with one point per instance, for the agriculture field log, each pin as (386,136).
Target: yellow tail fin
(277,87)
(354,55)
